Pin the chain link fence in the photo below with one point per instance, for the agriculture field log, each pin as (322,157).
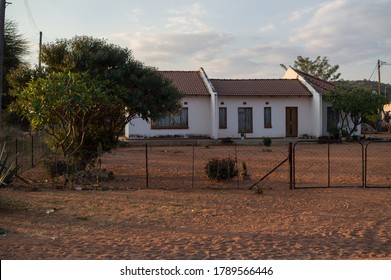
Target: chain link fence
(154,166)
(26,151)
(341,164)
(312,165)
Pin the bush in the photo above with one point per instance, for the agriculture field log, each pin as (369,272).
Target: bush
(221,169)
(8,170)
(58,167)
(267,141)
(93,176)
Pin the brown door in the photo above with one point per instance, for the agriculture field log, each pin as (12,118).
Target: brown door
(291,122)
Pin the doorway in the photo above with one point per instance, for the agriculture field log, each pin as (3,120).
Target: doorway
(291,121)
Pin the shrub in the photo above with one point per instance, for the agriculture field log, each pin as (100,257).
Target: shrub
(221,169)
(58,167)
(267,141)
(93,176)
(8,170)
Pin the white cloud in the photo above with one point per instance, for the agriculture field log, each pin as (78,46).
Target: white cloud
(195,9)
(168,50)
(267,28)
(345,24)
(186,24)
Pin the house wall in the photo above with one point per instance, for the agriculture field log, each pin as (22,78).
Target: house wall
(278,105)
(318,116)
(199,121)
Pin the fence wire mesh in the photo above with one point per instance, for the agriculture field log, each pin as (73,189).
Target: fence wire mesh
(184,166)
(27,151)
(377,156)
(341,164)
(350,164)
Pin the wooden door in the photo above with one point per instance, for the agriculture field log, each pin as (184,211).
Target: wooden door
(291,122)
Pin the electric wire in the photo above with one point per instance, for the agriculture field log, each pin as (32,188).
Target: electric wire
(31,18)
(374,71)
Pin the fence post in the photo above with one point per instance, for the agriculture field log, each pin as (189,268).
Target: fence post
(192,175)
(328,165)
(16,154)
(32,151)
(146,166)
(290,155)
(237,166)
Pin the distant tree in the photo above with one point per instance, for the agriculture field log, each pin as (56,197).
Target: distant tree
(318,67)
(353,105)
(87,92)
(15,48)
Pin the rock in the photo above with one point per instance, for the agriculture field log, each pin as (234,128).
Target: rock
(367,129)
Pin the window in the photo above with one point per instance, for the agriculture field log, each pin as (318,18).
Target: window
(245,118)
(267,117)
(179,120)
(332,119)
(222,117)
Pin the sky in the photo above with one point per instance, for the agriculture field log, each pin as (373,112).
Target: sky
(246,39)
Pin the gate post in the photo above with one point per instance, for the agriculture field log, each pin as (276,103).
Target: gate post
(291,184)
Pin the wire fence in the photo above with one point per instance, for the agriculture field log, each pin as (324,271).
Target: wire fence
(310,164)
(185,166)
(341,164)
(26,151)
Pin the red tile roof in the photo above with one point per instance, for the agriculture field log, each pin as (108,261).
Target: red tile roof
(320,85)
(269,87)
(188,82)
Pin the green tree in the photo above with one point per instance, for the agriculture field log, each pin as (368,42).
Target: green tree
(318,67)
(355,104)
(15,48)
(88,91)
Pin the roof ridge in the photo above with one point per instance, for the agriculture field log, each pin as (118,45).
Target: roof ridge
(180,71)
(270,79)
(314,77)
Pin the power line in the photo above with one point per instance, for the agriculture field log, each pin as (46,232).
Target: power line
(33,24)
(374,71)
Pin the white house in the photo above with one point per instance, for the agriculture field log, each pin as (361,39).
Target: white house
(220,108)
(195,117)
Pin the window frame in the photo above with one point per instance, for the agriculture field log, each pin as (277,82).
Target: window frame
(248,127)
(223,123)
(267,117)
(183,120)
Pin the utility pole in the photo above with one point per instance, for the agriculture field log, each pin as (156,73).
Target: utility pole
(40,50)
(2,27)
(378,74)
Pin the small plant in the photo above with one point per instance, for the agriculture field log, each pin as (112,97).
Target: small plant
(267,141)
(57,167)
(221,169)
(7,171)
(244,172)
(242,135)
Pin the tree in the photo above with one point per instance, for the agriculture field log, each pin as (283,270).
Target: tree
(353,104)
(88,91)
(318,67)
(15,48)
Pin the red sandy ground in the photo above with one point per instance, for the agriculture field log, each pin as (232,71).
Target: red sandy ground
(199,223)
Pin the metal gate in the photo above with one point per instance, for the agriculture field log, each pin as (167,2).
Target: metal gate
(328,165)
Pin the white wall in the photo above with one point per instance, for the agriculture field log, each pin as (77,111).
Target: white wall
(278,105)
(316,107)
(199,121)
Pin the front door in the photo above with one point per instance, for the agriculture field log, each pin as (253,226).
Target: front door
(291,122)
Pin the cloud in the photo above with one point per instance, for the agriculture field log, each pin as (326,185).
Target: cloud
(186,24)
(341,26)
(174,48)
(195,9)
(267,28)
